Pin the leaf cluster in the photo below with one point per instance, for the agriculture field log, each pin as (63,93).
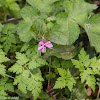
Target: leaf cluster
(88,68)
(65,78)
(26,79)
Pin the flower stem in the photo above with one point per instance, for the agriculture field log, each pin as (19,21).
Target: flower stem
(48,87)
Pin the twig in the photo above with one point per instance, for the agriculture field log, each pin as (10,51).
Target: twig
(51,96)
(98,92)
(51,91)
(10,21)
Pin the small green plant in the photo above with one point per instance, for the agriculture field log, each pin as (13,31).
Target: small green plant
(40,49)
(88,68)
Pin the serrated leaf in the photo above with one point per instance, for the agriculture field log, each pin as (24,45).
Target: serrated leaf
(9,87)
(88,68)
(42,5)
(3,58)
(65,78)
(40,25)
(35,85)
(82,56)
(93,31)
(95,64)
(16,69)
(22,81)
(29,12)
(62,72)
(36,62)
(24,47)
(4,86)
(91,82)
(22,59)
(59,84)
(2,69)
(23,30)
(66,32)
(76,12)
(9,38)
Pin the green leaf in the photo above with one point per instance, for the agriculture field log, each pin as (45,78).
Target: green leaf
(42,5)
(44,95)
(65,78)
(64,52)
(55,63)
(29,12)
(59,85)
(8,36)
(51,18)
(2,56)
(22,81)
(62,72)
(88,68)
(4,86)
(76,12)
(9,87)
(16,68)
(66,32)
(95,64)
(21,58)
(2,69)
(40,25)
(91,82)
(84,74)
(93,31)
(23,30)
(2,60)
(14,6)
(36,62)
(24,75)
(35,85)
(79,91)
(66,64)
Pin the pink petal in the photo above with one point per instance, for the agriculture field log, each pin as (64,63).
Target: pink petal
(48,43)
(41,43)
(39,48)
(44,50)
(49,46)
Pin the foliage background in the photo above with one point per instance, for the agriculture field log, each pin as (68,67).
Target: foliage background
(71,70)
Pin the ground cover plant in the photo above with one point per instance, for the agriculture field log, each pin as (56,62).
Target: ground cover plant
(49,49)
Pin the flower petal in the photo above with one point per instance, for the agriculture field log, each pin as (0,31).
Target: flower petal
(39,48)
(41,43)
(44,50)
(49,46)
(48,43)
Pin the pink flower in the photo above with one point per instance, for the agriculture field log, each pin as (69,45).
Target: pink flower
(44,45)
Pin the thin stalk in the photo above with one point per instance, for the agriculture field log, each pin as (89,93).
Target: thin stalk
(48,87)
(10,21)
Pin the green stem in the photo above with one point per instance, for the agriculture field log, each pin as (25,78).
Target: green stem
(9,76)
